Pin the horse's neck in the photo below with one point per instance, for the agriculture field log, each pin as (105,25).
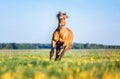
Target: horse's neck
(61,27)
(62,30)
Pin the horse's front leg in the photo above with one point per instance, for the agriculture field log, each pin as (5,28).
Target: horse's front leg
(63,52)
(52,49)
(57,52)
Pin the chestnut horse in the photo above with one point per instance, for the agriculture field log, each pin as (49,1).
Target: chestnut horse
(62,37)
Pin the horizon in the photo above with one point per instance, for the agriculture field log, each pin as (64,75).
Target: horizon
(50,43)
(34,21)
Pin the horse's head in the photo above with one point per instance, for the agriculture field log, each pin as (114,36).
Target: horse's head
(62,19)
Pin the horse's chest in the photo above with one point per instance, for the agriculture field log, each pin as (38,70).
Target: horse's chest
(63,34)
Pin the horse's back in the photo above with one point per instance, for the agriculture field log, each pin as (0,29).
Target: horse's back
(70,33)
(69,38)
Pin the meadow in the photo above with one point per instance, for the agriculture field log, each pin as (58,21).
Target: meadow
(76,64)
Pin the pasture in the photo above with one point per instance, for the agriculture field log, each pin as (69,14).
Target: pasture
(76,64)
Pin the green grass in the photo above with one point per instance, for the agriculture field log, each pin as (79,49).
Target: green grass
(76,64)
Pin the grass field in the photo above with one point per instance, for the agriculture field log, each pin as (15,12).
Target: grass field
(76,64)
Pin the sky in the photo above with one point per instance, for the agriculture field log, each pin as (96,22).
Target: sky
(34,21)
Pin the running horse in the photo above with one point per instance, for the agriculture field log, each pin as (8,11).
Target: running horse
(62,37)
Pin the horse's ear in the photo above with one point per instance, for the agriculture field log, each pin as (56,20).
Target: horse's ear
(59,13)
(65,15)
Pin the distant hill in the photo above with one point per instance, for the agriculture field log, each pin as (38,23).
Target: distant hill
(48,46)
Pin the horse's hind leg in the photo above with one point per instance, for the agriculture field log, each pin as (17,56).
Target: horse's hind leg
(52,49)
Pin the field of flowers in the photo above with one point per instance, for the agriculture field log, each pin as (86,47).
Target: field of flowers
(76,64)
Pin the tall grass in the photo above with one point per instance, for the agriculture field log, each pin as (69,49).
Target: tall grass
(76,64)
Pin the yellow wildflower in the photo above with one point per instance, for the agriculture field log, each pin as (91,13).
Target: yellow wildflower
(7,75)
(39,75)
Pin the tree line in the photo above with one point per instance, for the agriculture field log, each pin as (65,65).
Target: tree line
(48,46)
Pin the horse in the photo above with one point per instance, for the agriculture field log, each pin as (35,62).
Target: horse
(62,37)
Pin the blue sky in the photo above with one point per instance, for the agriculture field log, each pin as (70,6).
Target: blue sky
(33,21)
